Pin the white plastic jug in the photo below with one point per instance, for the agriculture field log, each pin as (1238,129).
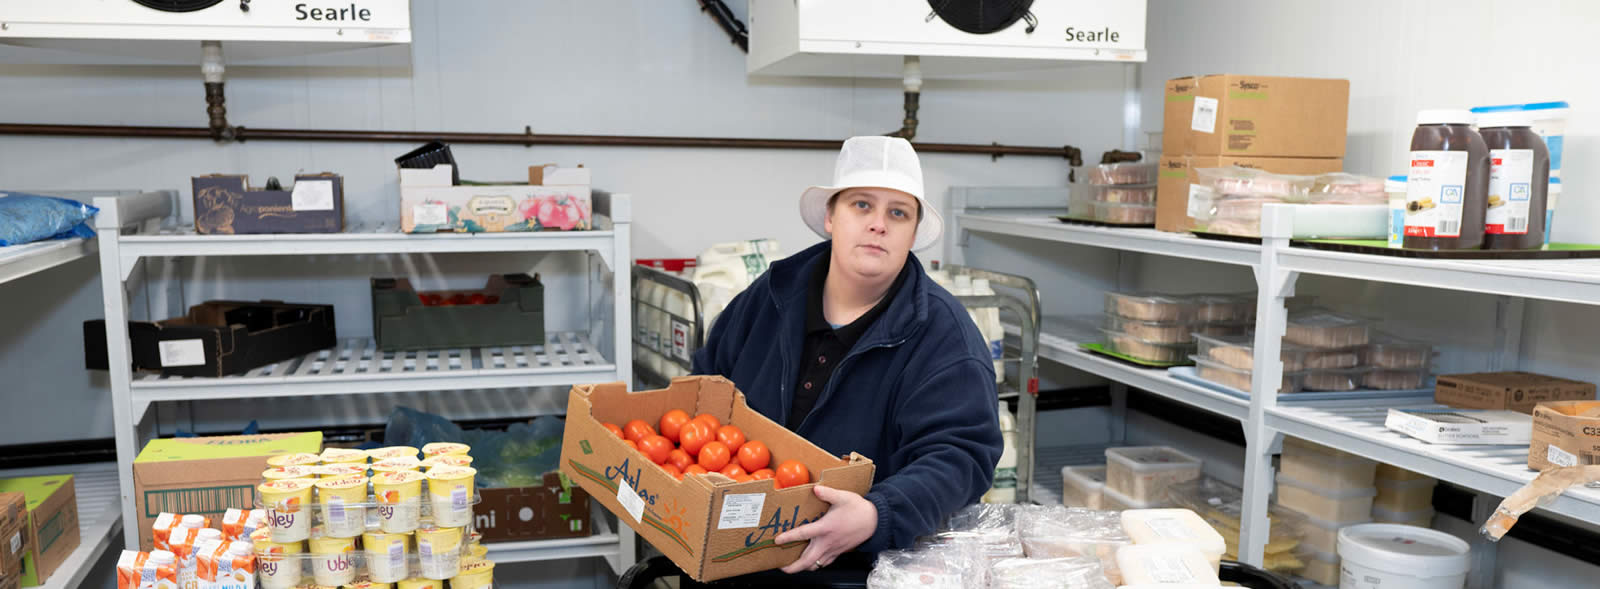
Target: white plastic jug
(994,334)
(1005,472)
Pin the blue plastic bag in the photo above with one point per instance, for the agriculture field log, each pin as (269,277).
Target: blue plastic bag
(26,218)
(517,457)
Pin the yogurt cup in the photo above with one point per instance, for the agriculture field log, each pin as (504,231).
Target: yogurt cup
(368,585)
(399,497)
(392,452)
(445,449)
(420,583)
(387,556)
(439,552)
(333,560)
(475,552)
(277,567)
(446,460)
(334,471)
(279,473)
(474,575)
(343,456)
(296,459)
(396,464)
(288,508)
(450,490)
(342,502)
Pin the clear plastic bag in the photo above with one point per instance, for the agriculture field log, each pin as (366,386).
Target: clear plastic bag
(934,565)
(1068,532)
(1238,181)
(26,218)
(1060,573)
(1342,188)
(516,457)
(992,526)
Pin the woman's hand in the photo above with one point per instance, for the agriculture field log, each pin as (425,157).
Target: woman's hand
(850,520)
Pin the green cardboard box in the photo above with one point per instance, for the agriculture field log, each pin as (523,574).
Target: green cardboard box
(206,476)
(51,532)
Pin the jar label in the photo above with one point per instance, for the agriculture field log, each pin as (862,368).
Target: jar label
(1435,190)
(1510,190)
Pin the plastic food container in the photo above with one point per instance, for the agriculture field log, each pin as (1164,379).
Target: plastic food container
(1150,307)
(1345,183)
(1164,563)
(1324,536)
(1225,307)
(1390,472)
(1252,182)
(1127,214)
(1321,328)
(1239,352)
(1422,518)
(1239,379)
(1321,567)
(1114,501)
(1082,486)
(1402,497)
(1342,380)
(1180,527)
(1166,332)
(1393,556)
(1337,507)
(1395,380)
(1123,173)
(1325,468)
(1387,352)
(1159,352)
(1320,359)
(1143,473)
(1144,194)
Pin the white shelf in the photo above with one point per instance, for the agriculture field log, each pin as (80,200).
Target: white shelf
(1357,427)
(1150,241)
(1574,281)
(99,518)
(605,543)
(357,239)
(1058,342)
(17,261)
(357,366)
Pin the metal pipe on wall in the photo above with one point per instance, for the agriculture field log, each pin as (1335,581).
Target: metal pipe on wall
(527,139)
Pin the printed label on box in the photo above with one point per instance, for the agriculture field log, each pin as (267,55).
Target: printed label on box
(680,340)
(1560,457)
(1205,115)
(630,500)
(182,352)
(432,213)
(1200,200)
(1170,569)
(312,195)
(1510,178)
(1434,193)
(1168,528)
(741,511)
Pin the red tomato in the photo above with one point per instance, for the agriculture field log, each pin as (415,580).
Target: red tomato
(710,420)
(732,436)
(672,422)
(693,436)
(637,430)
(422,298)
(433,300)
(672,470)
(694,469)
(458,299)
(714,455)
(761,474)
(754,456)
(612,427)
(656,447)
(477,298)
(492,300)
(631,444)
(677,457)
(744,478)
(732,471)
(792,473)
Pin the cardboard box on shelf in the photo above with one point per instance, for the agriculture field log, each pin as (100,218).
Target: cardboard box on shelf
(1516,391)
(710,526)
(557,509)
(1177,176)
(51,530)
(1465,426)
(13,522)
(219,338)
(1565,433)
(226,204)
(402,321)
(207,475)
(560,201)
(1260,116)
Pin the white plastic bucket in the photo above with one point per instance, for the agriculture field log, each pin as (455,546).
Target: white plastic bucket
(1394,556)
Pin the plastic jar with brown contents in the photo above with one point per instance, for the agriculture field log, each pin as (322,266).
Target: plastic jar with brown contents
(1519,180)
(1447,191)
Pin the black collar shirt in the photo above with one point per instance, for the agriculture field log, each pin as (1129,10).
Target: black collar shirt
(826,344)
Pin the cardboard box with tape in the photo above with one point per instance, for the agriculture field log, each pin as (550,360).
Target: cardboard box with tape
(1515,391)
(13,523)
(1258,116)
(50,532)
(1176,180)
(207,475)
(558,509)
(1565,433)
(709,525)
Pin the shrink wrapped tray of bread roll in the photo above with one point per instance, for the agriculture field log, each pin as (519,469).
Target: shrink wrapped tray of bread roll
(1322,328)
(1239,379)
(1224,307)
(1240,181)
(1395,380)
(1126,214)
(1387,351)
(1171,332)
(1123,173)
(1238,352)
(1157,352)
(1339,381)
(1150,306)
(1319,359)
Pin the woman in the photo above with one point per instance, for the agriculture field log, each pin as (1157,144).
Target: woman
(852,346)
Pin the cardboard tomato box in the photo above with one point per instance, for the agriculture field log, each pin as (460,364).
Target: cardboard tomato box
(50,532)
(709,525)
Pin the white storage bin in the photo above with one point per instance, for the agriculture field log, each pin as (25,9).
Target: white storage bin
(1402,557)
(1082,486)
(1114,501)
(1143,473)
(1325,468)
(1408,496)
(1340,507)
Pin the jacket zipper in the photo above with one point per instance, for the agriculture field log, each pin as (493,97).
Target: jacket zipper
(827,390)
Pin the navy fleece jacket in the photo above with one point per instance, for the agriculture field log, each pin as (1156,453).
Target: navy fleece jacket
(916,394)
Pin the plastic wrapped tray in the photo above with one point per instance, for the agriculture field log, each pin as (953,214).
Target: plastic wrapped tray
(1150,307)
(340,561)
(1395,380)
(1124,214)
(1389,352)
(1238,352)
(1325,468)
(1123,173)
(1143,473)
(1238,378)
(1156,352)
(1131,194)
(1339,507)
(1335,380)
(1252,182)
(1321,328)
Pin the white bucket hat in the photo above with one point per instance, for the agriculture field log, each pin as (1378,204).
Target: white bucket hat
(874,161)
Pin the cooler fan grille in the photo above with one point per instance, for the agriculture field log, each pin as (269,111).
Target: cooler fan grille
(981,17)
(178,5)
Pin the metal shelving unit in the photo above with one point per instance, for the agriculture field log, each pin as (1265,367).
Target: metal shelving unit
(133,230)
(17,261)
(1355,427)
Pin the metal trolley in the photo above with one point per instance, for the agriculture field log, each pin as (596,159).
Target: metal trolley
(683,339)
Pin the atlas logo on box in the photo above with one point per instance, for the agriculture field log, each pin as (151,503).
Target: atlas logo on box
(632,478)
(777,524)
